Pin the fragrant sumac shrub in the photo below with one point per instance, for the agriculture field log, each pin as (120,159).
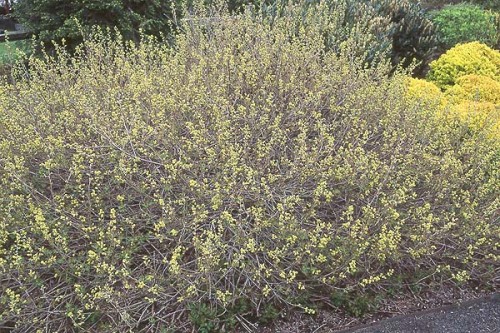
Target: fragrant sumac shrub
(142,187)
(399,29)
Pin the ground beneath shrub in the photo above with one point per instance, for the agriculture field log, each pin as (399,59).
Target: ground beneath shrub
(446,311)
(476,316)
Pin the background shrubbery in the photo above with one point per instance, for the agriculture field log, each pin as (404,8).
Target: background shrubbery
(399,29)
(57,20)
(463,59)
(402,30)
(487,4)
(245,171)
(437,4)
(469,78)
(475,87)
(464,22)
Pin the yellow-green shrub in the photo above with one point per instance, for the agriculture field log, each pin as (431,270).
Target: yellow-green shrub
(464,59)
(245,166)
(425,92)
(475,88)
(471,101)
(479,116)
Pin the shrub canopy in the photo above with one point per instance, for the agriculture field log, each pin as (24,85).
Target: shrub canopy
(245,171)
(464,23)
(475,87)
(463,59)
(488,4)
(399,28)
(402,29)
(478,115)
(56,19)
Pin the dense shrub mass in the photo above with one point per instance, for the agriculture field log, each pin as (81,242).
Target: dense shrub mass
(414,36)
(419,89)
(478,115)
(475,87)
(469,75)
(56,20)
(473,101)
(464,22)
(246,171)
(488,4)
(471,58)
(401,29)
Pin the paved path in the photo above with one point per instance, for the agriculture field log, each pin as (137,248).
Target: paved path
(478,316)
(15,35)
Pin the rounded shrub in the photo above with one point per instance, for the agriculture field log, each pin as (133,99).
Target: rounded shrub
(475,88)
(243,172)
(423,90)
(474,101)
(479,116)
(463,23)
(463,59)
(426,94)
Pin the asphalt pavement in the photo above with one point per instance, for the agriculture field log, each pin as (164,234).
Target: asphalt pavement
(477,316)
